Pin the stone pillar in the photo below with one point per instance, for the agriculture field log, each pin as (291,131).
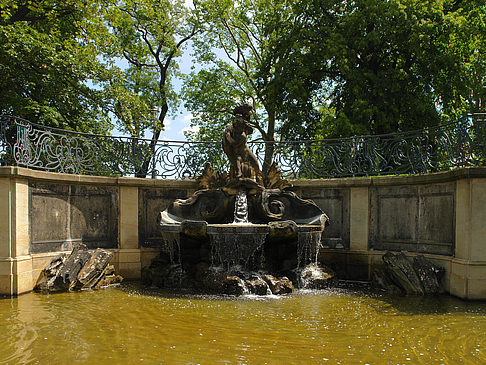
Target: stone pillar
(358,258)
(129,264)
(359,219)
(468,269)
(15,259)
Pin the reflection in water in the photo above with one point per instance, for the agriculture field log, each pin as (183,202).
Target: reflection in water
(129,324)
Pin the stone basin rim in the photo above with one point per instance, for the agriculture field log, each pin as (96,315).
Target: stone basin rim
(239,228)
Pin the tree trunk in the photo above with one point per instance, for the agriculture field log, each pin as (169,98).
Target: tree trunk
(143,171)
(270,139)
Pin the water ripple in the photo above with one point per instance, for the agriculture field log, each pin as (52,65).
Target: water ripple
(137,325)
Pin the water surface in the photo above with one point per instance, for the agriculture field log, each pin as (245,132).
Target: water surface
(130,324)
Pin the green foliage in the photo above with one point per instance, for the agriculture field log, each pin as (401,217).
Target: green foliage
(212,94)
(44,69)
(380,67)
(60,61)
(311,68)
(237,59)
(320,68)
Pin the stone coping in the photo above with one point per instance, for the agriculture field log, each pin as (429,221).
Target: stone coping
(433,177)
(436,177)
(36,175)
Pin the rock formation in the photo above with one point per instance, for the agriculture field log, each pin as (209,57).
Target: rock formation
(416,276)
(82,269)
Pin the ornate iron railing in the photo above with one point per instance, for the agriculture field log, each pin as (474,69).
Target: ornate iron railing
(443,147)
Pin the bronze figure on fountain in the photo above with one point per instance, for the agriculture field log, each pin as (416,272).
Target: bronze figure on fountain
(269,197)
(243,163)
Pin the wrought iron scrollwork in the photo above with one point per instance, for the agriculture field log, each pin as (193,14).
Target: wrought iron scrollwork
(443,147)
(5,145)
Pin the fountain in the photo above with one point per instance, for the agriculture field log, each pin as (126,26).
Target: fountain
(240,232)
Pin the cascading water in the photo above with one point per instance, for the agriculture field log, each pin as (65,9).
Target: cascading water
(241,207)
(236,245)
(308,244)
(172,246)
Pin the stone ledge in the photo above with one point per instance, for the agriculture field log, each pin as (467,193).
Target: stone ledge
(44,176)
(435,177)
(443,176)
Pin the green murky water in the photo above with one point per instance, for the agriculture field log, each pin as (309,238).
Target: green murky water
(129,325)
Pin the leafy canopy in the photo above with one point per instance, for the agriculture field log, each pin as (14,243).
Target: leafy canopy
(45,68)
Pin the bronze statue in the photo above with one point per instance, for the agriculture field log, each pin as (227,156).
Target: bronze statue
(243,163)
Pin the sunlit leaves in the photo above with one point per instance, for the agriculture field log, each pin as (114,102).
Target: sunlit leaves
(43,68)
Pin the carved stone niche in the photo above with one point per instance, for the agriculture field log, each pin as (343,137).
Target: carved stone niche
(64,214)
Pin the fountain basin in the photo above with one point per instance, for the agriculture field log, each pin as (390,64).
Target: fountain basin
(246,245)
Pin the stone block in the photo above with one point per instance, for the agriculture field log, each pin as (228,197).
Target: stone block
(347,264)
(459,269)
(130,270)
(151,203)
(335,203)
(458,286)
(91,218)
(6,283)
(5,266)
(476,289)
(357,271)
(21,246)
(477,272)
(463,219)
(357,258)
(5,211)
(129,256)
(62,214)
(334,260)
(414,218)
(478,220)
(22,265)
(49,217)
(436,223)
(397,217)
(147,256)
(23,282)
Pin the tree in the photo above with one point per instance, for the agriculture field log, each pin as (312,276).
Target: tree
(149,36)
(238,65)
(461,88)
(379,67)
(44,69)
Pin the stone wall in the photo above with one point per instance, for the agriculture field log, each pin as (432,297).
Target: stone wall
(442,215)
(334,201)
